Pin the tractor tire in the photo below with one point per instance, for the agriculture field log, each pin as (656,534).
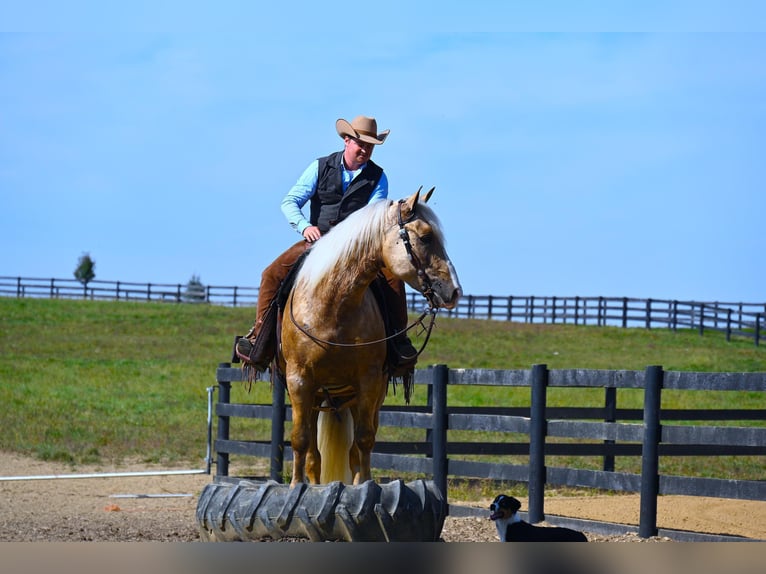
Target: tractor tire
(369,512)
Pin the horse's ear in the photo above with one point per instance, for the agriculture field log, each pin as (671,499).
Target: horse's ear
(428,194)
(408,205)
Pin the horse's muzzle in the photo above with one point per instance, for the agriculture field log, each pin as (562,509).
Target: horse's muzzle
(447,298)
(451,303)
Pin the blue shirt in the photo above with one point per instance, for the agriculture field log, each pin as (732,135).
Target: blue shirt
(306,186)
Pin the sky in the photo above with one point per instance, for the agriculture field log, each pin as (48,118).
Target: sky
(577,148)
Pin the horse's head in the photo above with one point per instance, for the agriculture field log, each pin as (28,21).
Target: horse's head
(415,251)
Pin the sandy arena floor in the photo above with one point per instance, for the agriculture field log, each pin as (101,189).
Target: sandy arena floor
(96,509)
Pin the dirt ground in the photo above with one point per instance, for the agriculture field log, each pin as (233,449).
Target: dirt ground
(162,508)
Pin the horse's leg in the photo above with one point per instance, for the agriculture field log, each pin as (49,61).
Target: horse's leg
(300,437)
(313,458)
(299,443)
(364,440)
(365,429)
(353,459)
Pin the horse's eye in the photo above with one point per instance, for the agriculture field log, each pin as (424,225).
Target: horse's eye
(427,239)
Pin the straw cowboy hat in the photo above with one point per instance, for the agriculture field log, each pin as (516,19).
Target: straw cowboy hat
(361,128)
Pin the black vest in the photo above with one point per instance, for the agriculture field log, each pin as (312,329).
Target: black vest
(329,205)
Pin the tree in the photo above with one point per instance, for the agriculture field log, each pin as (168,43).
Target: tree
(85,272)
(195,291)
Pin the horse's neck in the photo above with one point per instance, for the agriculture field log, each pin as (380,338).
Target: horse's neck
(341,266)
(347,286)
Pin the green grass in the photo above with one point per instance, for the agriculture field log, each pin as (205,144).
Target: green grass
(90,381)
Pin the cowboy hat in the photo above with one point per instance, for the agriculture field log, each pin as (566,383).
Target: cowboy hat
(361,128)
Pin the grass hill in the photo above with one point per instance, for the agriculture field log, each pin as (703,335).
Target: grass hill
(85,381)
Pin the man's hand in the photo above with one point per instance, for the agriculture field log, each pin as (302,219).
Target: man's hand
(312,233)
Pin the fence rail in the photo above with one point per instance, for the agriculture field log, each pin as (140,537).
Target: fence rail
(605,432)
(738,319)
(733,319)
(42,288)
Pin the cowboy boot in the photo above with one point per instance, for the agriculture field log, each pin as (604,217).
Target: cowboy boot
(403,356)
(258,347)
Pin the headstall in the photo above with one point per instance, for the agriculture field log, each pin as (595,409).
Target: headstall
(425,281)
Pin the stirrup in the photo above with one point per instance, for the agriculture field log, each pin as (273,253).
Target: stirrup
(245,350)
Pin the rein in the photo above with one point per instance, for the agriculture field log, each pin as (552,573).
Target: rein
(418,321)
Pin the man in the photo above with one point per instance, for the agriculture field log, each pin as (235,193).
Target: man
(334,186)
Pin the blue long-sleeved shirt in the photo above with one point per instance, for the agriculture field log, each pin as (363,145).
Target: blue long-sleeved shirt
(306,186)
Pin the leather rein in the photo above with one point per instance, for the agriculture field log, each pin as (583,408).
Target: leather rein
(427,293)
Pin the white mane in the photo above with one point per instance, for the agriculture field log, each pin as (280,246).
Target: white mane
(355,239)
(349,241)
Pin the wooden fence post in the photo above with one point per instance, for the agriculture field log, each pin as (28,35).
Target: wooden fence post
(537,431)
(439,425)
(610,416)
(624,312)
(277,428)
(648,313)
(675,315)
(224,396)
(650,479)
(728,325)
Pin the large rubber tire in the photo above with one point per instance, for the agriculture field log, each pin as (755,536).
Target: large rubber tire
(412,512)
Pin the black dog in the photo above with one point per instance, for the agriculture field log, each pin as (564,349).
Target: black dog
(511,528)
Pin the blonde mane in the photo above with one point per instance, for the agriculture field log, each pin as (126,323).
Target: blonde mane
(354,241)
(351,241)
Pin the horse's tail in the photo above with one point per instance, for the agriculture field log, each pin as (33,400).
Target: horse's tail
(335,435)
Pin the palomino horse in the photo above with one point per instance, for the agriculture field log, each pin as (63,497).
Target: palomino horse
(333,336)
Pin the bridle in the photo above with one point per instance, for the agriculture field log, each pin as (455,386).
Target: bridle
(425,280)
(427,292)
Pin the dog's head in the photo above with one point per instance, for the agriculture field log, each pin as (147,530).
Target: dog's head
(503,507)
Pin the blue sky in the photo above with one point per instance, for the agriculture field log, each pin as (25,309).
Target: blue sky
(575,150)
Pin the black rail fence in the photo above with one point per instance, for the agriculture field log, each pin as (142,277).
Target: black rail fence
(541,431)
(738,319)
(126,291)
(734,319)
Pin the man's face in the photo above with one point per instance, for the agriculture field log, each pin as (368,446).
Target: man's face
(357,152)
